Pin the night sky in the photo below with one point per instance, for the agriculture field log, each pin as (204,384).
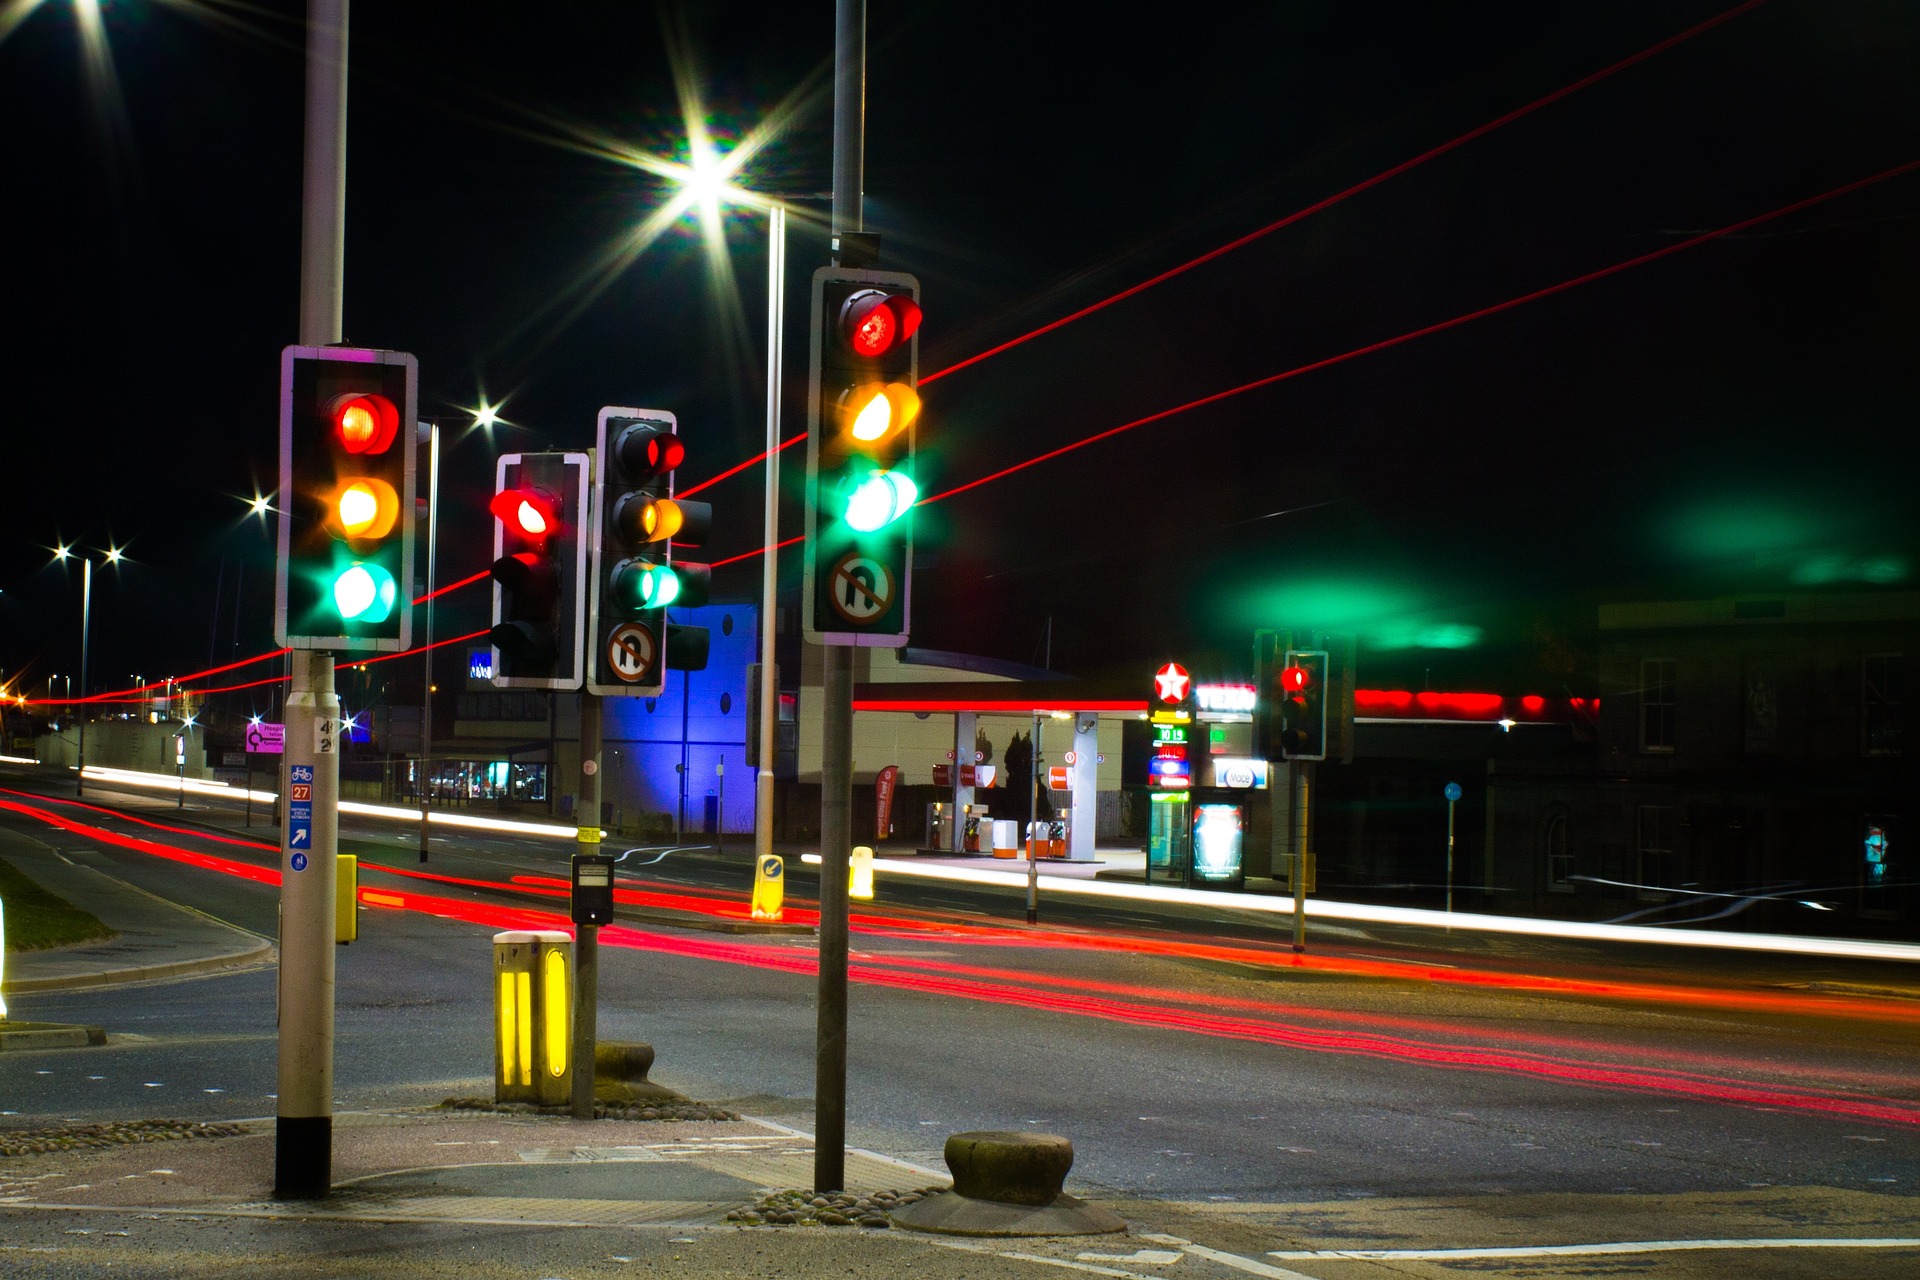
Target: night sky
(1735,417)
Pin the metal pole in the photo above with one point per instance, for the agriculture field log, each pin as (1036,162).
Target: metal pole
(1450,857)
(1033,817)
(720,806)
(303,1127)
(770,568)
(686,714)
(303,1130)
(586,937)
(836,760)
(1301,797)
(426,690)
(86,628)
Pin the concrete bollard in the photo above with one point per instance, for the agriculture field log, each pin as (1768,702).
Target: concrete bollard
(1008,1183)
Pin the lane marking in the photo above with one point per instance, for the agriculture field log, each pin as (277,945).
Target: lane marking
(1581,1250)
(1073,1266)
(1247,1265)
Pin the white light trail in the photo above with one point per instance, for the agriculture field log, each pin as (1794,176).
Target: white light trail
(1324,909)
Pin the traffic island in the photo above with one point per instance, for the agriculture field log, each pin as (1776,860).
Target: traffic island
(48,1035)
(1008,1184)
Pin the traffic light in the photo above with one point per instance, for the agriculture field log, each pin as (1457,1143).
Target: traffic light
(862,406)
(539,570)
(637,523)
(1302,700)
(346,499)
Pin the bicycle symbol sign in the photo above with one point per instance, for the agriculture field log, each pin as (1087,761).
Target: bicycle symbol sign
(861,589)
(630,652)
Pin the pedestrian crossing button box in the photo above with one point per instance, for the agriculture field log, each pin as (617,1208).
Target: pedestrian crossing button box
(592,888)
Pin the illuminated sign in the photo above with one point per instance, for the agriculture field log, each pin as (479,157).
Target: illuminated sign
(1229,698)
(1170,765)
(1218,836)
(1172,684)
(1239,774)
(480,664)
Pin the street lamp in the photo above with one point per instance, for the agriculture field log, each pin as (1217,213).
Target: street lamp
(706,184)
(61,554)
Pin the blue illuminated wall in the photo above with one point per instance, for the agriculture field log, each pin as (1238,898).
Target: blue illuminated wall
(643,736)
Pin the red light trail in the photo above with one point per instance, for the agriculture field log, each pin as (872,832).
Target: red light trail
(1422,1042)
(1322,205)
(1298,215)
(1428,330)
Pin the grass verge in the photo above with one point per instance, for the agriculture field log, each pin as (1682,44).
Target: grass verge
(36,919)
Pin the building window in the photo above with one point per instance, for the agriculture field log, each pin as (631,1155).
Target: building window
(1881,723)
(1656,704)
(1655,873)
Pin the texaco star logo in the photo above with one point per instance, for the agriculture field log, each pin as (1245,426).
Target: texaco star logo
(1171,682)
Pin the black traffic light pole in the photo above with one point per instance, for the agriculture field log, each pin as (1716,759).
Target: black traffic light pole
(836,760)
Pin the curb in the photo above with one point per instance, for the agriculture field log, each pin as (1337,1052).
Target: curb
(145,973)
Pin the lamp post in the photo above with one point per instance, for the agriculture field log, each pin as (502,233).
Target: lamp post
(706,184)
(61,554)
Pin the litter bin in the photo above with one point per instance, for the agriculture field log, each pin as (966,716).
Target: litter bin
(710,819)
(1006,838)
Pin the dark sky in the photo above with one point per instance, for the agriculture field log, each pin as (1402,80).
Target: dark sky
(1735,417)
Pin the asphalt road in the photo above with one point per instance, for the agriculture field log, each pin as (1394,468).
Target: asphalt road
(1411,1109)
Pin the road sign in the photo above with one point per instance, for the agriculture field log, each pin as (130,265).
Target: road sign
(301,773)
(298,861)
(630,652)
(1453,791)
(267,739)
(862,588)
(300,791)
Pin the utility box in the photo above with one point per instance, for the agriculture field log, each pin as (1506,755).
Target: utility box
(533,1017)
(592,899)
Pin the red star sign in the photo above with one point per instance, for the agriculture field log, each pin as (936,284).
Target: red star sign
(1171,682)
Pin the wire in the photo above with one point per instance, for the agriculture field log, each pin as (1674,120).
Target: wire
(1466,318)
(1354,190)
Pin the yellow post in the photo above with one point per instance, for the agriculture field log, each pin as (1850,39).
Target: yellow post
(554,1009)
(513,1017)
(860,873)
(346,901)
(3,961)
(769,886)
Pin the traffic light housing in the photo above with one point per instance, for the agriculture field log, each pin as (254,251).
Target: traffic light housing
(347,464)
(1301,698)
(862,408)
(539,570)
(637,522)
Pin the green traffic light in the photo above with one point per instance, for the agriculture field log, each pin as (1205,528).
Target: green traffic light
(880,499)
(365,593)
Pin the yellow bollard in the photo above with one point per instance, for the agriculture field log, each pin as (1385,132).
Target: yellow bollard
(860,873)
(769,887)
(346,903)
(532,1008)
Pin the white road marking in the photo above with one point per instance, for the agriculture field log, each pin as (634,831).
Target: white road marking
(1247,1265)
(1074,1266)
(1152,1257)
(1580,1250)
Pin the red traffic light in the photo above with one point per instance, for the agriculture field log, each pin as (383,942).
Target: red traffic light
(527,513)
(874,322)
(647,450)
(364,423)
(1295,679)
